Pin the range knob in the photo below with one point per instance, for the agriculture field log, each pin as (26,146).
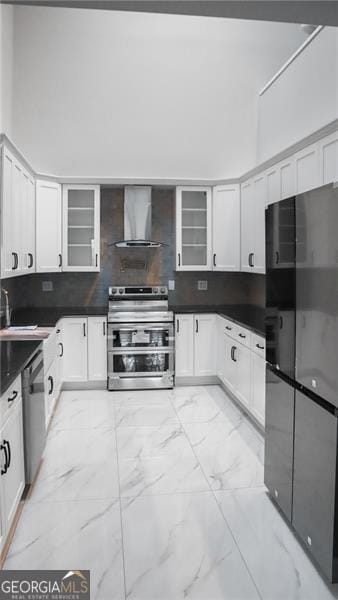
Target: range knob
(114,290)
(121,291)
(155,290)
(162,290)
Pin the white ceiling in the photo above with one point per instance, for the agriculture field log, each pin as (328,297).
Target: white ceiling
(102,93)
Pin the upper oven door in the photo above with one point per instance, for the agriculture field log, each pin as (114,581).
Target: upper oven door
(140,336)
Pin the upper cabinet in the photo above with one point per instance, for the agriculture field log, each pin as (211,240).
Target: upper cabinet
(307,168)
(48,227)
(226,228)
(280,181)
(81,227)
(18,217)
(253,200)
(193,228)
(328,158)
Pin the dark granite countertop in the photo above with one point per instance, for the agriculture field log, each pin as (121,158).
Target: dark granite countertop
(48,317)
(248,315)
(14,358)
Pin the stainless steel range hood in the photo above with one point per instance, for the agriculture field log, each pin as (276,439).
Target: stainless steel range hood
(137,218)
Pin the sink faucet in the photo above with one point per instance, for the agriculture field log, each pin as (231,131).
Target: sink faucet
(7,309)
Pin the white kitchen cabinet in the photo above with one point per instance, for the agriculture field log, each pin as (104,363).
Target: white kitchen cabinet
(74,339)
(195,345)
(81,227)
(242,359)
(226,228)
(184,345)
(97,348)
(307,168)
(280,181)
(328,156)
(10,235)
(205,343)
(12,463)
(257,404)
(247,218)
(51,384)
(193,228)
(28,256)
(229,370)
(241,366)
(84,349)
(48,227)
(253,201)
(18,218)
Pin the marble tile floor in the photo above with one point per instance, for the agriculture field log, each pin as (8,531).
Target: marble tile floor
(160,494)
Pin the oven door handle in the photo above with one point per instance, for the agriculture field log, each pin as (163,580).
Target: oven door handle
(125,329)
(148,350)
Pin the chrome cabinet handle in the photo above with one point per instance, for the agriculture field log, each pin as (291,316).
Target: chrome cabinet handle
(96,260)
(259,346)
(61,348)
(228,328)
(84,329)
(214,260)
(179,259)
(196,325)
(104,328)
(51,380)
(60,261)
(241,335)
(177,326)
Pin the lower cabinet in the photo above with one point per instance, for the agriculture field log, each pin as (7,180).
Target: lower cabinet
(195,345)
(84,342)
(243,383)
(205,336)
(52,384)
(12,467)
(241,366)
(74,339)
(184,345)
(97,348)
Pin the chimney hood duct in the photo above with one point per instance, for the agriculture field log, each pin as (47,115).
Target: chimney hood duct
(137,218)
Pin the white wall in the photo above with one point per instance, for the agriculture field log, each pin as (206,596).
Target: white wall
(6,67)
(303,99)
(140,95)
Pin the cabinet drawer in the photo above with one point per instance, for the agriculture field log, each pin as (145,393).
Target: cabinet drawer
(229,327)
(10,398)
(258,344)
(49,349)
(244,336)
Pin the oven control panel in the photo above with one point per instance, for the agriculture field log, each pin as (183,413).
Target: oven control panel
(139,291)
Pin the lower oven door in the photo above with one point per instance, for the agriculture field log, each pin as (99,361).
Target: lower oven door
(140,356)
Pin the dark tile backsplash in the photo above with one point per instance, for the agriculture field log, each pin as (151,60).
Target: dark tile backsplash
(148,266)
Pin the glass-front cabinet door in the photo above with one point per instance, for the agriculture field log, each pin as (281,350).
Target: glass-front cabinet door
(193,228)
(81,228)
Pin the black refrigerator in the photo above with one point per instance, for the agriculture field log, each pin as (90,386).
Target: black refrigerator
(301,467)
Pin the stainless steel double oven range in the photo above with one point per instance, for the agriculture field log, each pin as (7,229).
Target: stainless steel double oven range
(140,338)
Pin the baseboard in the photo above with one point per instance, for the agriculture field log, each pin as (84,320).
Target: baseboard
(84,385)
(209,380)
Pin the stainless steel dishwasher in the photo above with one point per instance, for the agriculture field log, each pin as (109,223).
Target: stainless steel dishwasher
(34,424)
